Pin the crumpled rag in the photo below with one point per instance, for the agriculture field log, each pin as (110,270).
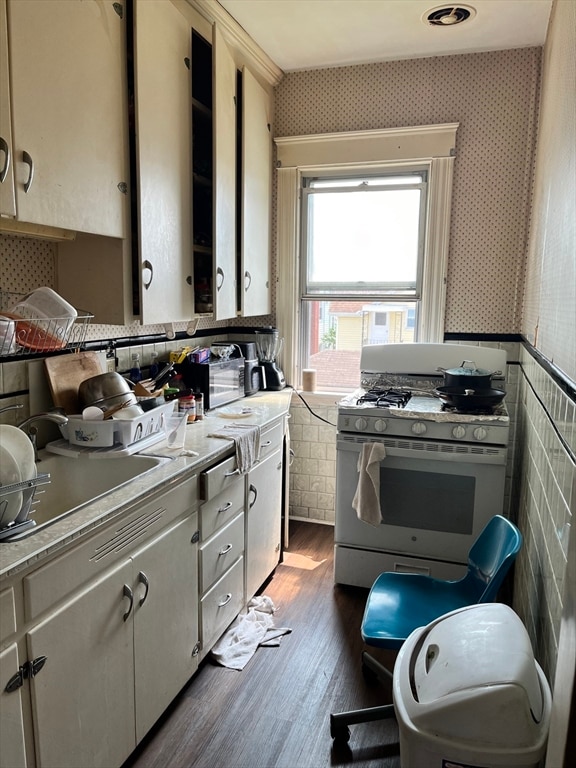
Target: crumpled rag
(247,440)
(256,627)
(366,500)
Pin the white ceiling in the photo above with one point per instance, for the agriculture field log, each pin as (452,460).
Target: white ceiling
(309,34)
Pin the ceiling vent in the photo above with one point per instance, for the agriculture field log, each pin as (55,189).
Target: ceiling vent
(448,16)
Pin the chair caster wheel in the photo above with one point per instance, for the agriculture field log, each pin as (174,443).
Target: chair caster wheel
(340,734)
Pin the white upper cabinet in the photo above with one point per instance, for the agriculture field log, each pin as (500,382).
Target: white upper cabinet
(163,152)
(67,64)
(7,198)
(255,198)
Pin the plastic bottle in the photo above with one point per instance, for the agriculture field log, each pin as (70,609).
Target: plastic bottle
(135,371)
(199,405)
(154,367)
(187,405)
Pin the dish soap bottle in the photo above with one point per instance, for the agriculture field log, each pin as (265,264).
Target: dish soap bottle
(135,371)
(154,367)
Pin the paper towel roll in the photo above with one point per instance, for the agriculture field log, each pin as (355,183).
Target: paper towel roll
(309,380)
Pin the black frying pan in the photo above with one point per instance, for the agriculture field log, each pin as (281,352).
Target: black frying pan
(467,399)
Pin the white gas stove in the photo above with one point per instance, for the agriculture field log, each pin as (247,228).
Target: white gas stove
(441,473)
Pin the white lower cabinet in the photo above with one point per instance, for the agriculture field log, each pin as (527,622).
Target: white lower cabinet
(12,715)
(263,521)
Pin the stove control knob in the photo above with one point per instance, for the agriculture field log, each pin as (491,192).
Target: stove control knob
(459,432)
(480,433)
(380,425)
(419,428)
(361,425)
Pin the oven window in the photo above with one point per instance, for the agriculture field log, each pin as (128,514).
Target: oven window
(429,501)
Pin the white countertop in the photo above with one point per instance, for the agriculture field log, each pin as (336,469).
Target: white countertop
(199,450)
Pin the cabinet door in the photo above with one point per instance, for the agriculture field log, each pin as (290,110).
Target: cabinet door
(165,620)
(164,141)
(83,698)
(263,521)
(12,748)
(7,198)
(224,161)
(256,198)
(69,111)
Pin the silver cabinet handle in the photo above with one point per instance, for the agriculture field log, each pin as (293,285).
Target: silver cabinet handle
(247,280)
(4,147)
(219,274)
(127,592)
(234,472)
(266,444)
(255,492)
(147,274)
(26,158)
(225,601)
(143,579)
(225,549)
(226,506)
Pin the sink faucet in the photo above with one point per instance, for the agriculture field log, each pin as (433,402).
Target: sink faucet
(27,425)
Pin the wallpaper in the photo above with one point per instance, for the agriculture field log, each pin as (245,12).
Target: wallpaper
(549,320)
(494,98)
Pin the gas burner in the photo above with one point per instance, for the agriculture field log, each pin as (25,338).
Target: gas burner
(385,398)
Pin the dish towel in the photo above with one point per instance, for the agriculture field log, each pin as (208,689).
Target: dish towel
(247,439)
(366,500)
(256,627)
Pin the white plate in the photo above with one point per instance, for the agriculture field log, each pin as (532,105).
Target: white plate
(10,503)
(237,413)
(21,448)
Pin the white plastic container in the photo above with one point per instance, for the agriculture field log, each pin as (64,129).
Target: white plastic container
(46,320)
(468,692)
(105,434)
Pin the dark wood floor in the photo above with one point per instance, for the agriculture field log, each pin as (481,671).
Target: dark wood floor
(275,712)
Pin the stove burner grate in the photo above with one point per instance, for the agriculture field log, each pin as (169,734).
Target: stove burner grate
(384,398)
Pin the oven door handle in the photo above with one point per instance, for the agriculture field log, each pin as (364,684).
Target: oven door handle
(433,451)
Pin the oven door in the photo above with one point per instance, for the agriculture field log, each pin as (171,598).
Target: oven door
(435,497)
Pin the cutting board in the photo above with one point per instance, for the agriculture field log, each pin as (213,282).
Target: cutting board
(65,373)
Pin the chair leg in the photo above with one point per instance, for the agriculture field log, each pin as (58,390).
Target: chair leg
(339,723)
(381,672)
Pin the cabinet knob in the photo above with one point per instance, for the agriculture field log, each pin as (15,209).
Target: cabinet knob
(6,149)
(219,278)
(143,579)
(255,492)
(247,280)
(147,274)
(127,592)
(27,159)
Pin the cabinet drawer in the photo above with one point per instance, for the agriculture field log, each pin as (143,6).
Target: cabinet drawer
(220,606)
(271,440)
(220,552)
(62,576)
(219,478)
(222,508)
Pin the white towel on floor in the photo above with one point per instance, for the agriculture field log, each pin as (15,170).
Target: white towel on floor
(366,500)
(247,439)
(256,627)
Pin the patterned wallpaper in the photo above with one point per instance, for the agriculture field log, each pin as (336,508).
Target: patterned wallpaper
(493,96)
(549,320)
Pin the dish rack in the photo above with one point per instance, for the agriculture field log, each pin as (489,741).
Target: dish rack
(21,335)
(28,490)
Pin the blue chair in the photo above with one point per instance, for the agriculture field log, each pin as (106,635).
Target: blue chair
(399,603)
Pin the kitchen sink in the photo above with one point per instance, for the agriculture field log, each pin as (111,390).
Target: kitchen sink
(75,482)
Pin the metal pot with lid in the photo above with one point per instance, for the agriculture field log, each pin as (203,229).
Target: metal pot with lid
(469,376)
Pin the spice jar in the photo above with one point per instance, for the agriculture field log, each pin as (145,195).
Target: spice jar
(187,405)
(199,405)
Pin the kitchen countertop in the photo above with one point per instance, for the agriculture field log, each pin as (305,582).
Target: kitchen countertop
(202,450)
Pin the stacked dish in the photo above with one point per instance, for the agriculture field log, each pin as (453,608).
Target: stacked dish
(16,466)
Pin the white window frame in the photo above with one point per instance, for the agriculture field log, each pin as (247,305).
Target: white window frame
(432,146)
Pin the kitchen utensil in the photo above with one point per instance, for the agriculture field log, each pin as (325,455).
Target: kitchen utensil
(124,405)
(467,399)
(65,373)
(92,413)
(468,375)
(21,448)
(105,390)
(126,411)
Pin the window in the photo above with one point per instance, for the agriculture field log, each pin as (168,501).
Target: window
(363,221)
(362,238)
